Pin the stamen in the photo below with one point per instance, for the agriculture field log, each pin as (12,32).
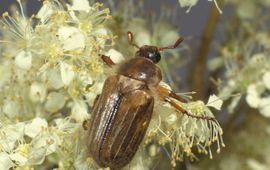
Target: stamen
(21,8)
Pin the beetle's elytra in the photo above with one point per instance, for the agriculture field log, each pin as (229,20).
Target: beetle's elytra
(122,112)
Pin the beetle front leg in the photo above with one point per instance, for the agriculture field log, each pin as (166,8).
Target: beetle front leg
(107,60)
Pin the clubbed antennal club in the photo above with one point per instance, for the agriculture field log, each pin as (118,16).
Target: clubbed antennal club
(179,40)
(130,39)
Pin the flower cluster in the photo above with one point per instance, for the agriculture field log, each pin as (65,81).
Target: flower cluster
(50,74)
(183,132)
(247,71)
(191,3)
(50,71)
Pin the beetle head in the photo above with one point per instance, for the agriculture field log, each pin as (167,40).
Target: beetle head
(151,52)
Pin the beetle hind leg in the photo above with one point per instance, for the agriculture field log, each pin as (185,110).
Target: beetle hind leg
(166,93)
(170,97)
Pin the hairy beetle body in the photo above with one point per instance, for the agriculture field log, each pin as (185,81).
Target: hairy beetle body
(122,112)
(120,119)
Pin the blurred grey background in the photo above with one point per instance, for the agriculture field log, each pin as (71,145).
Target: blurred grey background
(190,23)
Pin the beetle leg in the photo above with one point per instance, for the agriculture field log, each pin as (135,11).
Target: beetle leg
(96,99)
(84,124)
(107,60)
(167,95)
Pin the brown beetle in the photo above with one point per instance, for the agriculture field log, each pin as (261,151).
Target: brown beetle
(122,112)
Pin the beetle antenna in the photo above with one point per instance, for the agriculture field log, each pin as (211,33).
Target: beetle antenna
(130,39)
(178,41)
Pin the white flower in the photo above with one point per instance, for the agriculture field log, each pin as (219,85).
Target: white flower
(215,63)
(253,96)
(18,158)
(247,9)
(35,127)
(187,3)
(86,78)
(79,111)
(5,161)
(256,165)
(214,102)
(45,12)
(81,5)
(82,162)
(115,56)
(37,92)
(168,37)
(101,33)
(11,108)
(253,100)
(71,37)
(55,101)
(10,134)
(37,155)
(171,119)
(264,106)
(54,78)
(48,140)
(24,60)
(142,38)
(38,73)
(67,73)
(266,80)
(94,91)
(66,125)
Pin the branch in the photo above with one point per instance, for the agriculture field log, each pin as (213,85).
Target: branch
(198,83)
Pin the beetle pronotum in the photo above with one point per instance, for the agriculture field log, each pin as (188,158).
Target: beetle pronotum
(122,112)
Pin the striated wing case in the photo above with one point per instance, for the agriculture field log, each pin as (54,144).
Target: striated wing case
(119,121)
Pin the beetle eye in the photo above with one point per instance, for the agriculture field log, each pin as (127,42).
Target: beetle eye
(155,57)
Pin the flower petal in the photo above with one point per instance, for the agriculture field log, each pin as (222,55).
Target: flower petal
(34,128)
(71,38)
(115,56)
(11,108)
(168,37)
(18,158)
(187,3)
(11,135)
(253,100)
(266,80)
(214,102)
(37,92)
(45,11)
(81,5)
(24,60)
(67,73)
(54,78)
(37,155)
(142,38)
(264,106)
(79,111)
(100,34)
(49,140)
(55,101)
(5,161)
